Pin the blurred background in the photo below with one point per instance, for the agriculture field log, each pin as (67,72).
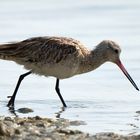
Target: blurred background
(104,99)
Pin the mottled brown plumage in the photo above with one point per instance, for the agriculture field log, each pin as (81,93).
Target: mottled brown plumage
(39,54)
(60,57)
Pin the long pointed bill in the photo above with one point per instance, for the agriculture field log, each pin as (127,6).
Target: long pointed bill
(126,74)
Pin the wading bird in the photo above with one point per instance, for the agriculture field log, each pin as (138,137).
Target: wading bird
(59,57)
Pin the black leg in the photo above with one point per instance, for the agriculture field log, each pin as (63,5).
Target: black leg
(59,94)
(12,100)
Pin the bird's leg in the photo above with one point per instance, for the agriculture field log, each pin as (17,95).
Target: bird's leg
(58,92)
(12,100)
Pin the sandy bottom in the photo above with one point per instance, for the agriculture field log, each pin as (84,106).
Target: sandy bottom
(36,128)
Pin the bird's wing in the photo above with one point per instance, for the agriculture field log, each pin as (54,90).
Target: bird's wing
(41,49)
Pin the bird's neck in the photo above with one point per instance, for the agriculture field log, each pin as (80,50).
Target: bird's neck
(91,61)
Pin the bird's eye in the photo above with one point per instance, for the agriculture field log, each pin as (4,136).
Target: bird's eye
(116,51)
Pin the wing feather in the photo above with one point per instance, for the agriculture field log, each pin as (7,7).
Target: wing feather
(41,49)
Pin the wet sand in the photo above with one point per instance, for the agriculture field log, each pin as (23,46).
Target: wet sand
(37,128)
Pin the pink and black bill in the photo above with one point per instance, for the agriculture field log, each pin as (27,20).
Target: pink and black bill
(126,74)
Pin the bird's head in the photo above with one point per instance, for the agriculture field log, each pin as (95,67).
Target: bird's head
(110,51)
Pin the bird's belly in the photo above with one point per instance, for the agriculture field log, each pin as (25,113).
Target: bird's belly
(58,71)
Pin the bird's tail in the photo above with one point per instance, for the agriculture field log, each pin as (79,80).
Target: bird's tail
(7,51)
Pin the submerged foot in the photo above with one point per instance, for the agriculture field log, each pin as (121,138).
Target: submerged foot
(11,102)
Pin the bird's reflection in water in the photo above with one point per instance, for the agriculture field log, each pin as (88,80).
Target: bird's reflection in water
(59,113)
(12,111)
(20,110)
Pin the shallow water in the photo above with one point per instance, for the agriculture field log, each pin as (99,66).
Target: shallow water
(104,99)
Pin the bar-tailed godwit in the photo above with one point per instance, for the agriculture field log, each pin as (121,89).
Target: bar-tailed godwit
(59,57)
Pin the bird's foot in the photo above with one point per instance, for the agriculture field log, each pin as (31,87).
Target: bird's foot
(9,96)
(11,102)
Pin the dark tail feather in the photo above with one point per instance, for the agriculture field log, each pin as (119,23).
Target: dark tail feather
(8,49)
